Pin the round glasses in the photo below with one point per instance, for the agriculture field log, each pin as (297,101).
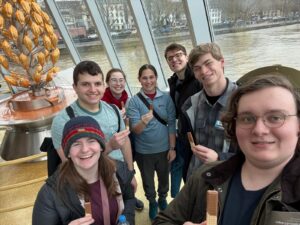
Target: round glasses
(116,81)
(176,56)
(270,119)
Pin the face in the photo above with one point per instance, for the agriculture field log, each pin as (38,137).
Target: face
(116,83)
(148,81)
(208,70)
(176,60)
(90,89)
(85,153)
(266,147)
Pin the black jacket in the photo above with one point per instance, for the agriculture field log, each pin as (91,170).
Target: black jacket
(189,87)
(50,210)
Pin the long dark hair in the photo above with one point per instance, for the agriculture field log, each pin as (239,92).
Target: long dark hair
(147,66)
(68,176)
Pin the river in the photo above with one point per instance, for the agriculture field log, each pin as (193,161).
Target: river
(243,52)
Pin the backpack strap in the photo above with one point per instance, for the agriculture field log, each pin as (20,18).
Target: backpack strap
(118,115)
(70,112)
(154,112)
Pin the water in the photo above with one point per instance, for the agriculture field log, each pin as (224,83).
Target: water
(243,52)
(250,50)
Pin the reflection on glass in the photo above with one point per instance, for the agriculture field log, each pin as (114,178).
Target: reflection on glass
(128,45)
(65,60)
(168,24)
(256,34)
(82,30)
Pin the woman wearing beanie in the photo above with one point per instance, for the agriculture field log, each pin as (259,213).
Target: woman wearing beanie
(88,176)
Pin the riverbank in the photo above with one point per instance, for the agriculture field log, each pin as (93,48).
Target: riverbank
(259,26)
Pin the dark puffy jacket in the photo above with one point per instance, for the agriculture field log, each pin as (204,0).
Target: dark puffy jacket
(50,210)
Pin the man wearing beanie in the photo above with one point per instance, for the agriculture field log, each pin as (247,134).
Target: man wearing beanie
(89,86)
(86,177)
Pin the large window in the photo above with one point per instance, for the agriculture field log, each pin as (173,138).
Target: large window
(169,24)
(82,30)
(255,34)
(65,60)
(126,41)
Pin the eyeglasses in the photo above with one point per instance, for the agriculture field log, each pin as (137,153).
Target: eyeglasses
(270,119)
(115,80)
(176,56)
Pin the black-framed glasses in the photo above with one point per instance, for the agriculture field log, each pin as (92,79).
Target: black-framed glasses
(176,56)
(270,119)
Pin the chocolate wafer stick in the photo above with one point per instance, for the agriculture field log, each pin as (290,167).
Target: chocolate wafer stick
(212,207)
(191,139)
(88,208)
(127,123)
(151,107)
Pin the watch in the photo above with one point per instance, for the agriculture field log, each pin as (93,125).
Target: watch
(172,148)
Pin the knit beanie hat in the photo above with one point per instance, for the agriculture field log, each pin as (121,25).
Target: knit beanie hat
(78,127)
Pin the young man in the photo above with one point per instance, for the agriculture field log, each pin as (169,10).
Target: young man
(204,109)
(182,85)
(89,86)
(261,183)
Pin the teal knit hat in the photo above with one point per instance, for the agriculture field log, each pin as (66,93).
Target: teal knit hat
(78,127)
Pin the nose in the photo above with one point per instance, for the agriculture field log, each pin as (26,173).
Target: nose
(204,69)
(92,87)
(84,147)
(260,127)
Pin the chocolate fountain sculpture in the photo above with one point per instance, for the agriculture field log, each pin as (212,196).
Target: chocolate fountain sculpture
(28,47)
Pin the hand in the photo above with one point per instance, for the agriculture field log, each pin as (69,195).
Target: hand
(147,117)
(190,223)
(205,154)
(171,155)
(83,220)
(134,184)
(118,139)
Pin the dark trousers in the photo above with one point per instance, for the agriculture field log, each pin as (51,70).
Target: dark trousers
(148,164)
(177,169)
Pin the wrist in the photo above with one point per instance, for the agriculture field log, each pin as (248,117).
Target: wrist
(172,148)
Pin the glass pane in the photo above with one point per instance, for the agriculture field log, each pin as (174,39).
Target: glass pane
(255,34)
(168,24)
(128,45)
(65,60)
(82,30)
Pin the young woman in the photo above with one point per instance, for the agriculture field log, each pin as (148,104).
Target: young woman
(87,175)
(115,92)
(261,183)
(154,138)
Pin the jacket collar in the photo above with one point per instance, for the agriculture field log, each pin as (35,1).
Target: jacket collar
(289,178)
(188,75)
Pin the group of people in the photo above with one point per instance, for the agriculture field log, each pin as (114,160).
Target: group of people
(245,141)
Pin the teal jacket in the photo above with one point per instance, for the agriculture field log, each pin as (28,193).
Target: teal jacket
(282,195)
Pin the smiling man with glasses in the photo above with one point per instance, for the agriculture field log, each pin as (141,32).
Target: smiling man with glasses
(182,85)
